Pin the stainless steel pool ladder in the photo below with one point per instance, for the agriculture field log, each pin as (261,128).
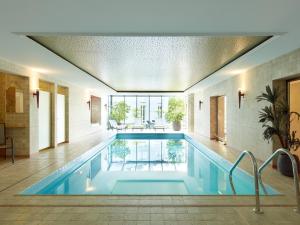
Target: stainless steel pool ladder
(257,208)
(295,172)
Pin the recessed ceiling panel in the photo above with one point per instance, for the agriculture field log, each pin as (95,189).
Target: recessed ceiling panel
(146,63)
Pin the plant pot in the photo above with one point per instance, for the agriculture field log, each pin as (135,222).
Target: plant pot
(177,126)
(284,165)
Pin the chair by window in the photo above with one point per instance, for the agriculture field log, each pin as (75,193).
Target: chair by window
(114,125)
(150,124)
(6,142)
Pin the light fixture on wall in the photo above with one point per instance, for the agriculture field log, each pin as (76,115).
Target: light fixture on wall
(200,104)
(240,94)
(37,95)
(89,103)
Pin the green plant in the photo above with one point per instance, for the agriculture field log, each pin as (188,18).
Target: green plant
(175,150)
(175,111)
(276,119)
(120,149)
(119,111)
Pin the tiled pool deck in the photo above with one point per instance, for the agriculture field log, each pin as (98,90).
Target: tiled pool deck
(122,210)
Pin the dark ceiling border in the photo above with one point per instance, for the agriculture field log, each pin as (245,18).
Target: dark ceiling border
(150,91)
(29,35)
(146,34)
(78,67)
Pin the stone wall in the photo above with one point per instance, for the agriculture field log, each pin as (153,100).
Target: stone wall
(78,122)
(17,124)
(80,114)
(243,129)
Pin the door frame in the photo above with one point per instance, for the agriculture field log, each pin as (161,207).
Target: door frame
(50,121)
(58,118)
(214,118)
(63,90)
(50,87)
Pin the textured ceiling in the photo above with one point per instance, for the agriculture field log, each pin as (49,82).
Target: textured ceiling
(145,63)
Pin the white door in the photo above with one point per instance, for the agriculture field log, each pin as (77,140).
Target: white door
(44,120)
(60,119)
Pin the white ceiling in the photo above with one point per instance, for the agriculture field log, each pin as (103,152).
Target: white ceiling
(138,17)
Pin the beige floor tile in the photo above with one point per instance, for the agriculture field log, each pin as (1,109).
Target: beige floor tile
(147,210)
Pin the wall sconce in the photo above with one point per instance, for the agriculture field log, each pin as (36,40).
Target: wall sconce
(240,94)
(37,95)
(89,103)
(200,103)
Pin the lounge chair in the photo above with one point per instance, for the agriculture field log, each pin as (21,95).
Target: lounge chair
(137,126)
(3,142)
(114,125)
(150,124)
(159,126)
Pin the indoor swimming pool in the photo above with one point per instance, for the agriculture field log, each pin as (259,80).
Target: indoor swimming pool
(147,164)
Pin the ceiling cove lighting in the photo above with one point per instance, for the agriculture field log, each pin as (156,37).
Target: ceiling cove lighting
(41,70)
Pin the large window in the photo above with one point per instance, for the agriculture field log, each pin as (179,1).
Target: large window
(131,115)
(164,106)
(156,114)
(144,110)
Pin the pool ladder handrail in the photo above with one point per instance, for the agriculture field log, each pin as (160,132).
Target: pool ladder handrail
(257,208)
(295,172)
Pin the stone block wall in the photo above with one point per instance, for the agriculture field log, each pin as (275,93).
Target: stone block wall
(78,112)
(243,130)
(17,124)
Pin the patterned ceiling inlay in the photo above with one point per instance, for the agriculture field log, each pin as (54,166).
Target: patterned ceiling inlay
(159,63)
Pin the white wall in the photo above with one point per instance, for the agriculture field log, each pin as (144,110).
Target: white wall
(79,114)
(243,129)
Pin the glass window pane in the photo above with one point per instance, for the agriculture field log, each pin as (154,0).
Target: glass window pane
(165,100)
(156,110)
(131,115)
(143,109)
(117,99)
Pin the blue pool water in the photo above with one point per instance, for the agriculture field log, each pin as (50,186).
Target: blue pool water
(147,164)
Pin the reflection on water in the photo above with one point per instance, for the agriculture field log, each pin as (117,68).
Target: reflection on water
(147,155)
(149,167)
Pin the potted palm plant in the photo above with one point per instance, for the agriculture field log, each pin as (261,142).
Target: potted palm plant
(175,112)
(119,112)
(276,119)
